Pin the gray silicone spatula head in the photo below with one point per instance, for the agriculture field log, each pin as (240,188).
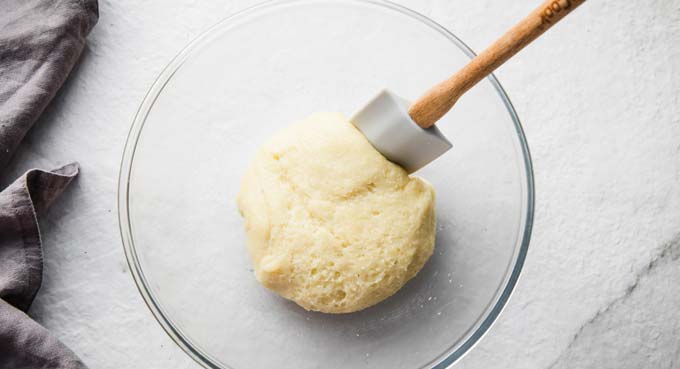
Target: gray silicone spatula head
(387,125)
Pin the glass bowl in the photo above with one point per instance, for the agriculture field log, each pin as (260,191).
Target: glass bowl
(231,89)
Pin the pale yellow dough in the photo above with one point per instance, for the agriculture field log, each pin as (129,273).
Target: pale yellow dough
(331,224)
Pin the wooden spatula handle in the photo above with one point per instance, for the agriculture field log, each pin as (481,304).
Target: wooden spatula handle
(439,99)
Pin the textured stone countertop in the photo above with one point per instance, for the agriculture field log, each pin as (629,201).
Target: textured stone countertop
(599,98)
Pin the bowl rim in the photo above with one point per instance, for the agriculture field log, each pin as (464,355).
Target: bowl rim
(444,360)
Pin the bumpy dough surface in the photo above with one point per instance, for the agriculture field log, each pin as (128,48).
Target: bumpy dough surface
(331,224)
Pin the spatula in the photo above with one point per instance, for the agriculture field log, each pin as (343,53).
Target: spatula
(406,135)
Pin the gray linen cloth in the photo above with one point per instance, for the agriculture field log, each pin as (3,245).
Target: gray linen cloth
(40,42)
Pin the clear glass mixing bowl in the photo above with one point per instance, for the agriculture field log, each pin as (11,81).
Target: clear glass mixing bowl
(232,88)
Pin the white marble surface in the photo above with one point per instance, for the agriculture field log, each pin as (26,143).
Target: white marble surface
(599,98)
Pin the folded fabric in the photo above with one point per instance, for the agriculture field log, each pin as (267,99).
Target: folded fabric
(40,42)
(23,342)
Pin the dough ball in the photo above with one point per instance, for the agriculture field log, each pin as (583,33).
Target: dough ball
(331,224)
